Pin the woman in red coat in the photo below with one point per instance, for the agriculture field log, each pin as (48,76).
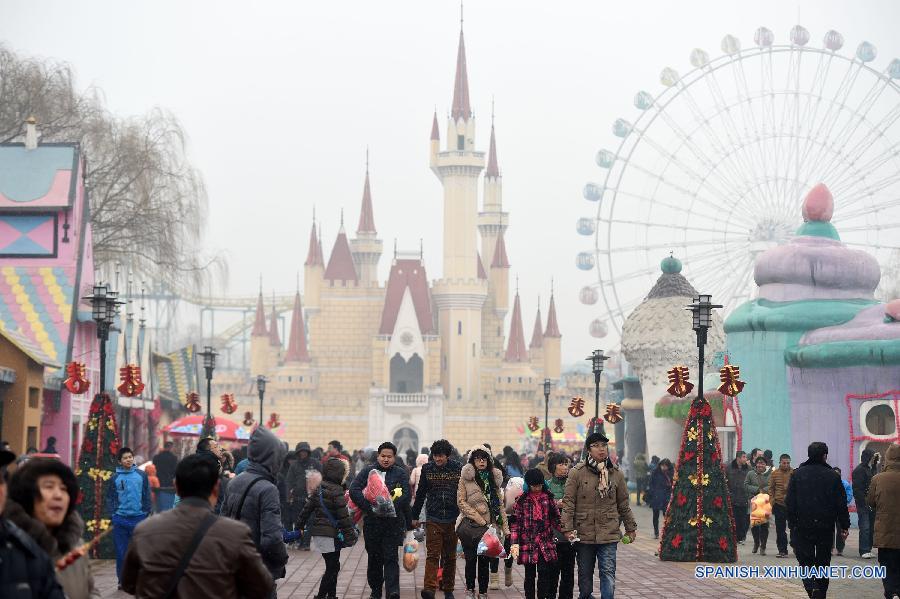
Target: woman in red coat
(532,536)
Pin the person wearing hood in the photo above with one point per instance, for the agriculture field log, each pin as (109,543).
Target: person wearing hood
(128,500)
(736,473)
(883,495)
(861,479)
(383,535)
(815,501)
(595,502)
(296,482)
(41,502)
(437,485)
(660,491)
(252,497)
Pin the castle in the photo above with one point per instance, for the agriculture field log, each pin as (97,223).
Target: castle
(413,360)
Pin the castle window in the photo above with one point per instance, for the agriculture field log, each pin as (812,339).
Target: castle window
(301,379)
(520,379)
(459,393)
(407,376)
(460,142)
(509,379)
(459,327)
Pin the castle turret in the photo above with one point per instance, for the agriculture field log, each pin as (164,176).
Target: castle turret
(515,349)
(366,247)
(435,144)
(313,271)
(536,347)
(552,345)
(500,278)
(492,221)
(340,263)
(297,350)
(259,340)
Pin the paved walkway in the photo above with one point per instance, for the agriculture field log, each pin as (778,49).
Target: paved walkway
(640,574)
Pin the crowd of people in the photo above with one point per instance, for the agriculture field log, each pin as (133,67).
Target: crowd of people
(219,524)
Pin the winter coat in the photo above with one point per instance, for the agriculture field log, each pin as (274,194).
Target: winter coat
(816,498)
(596,518)
(557,486)
(25,570)
(416,474)
(862,477)
(76,578)
(535,521)
(330,496)
(660,491)
(262,509)
(166,462)
(639,468)
(391,530)
(471,501)
(296,475)
(848,489)
(225,565)
(884,498)
(736,476)
(756,483)
(128,493)
(438,486)
(778,485)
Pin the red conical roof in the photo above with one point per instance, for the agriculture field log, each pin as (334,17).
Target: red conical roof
(500,260)
(461,107)
(366,214)
(435,134)
(319,253)
(274,337)
(515,351)
(313,256)
(552,326)
(537,336)
(492,169)
(296,351)
(259,324)
(481,273)
(340,264)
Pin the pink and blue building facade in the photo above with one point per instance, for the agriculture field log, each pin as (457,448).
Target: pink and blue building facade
(46,266)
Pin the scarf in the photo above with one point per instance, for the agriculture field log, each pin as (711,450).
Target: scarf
(600,470)
(493,501)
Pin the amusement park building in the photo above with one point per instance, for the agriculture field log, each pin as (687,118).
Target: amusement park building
(413,360)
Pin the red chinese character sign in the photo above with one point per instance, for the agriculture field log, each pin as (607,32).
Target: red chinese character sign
(613,414)
(273,422)
(730,375)
(130,378)
(533,425)
(192,402)
(576,407)
(680,385)
(248,419)
(75,382)
(229,406)
(558,426)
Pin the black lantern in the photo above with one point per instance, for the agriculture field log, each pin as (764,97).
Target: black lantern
(209,364)
(701,319)
(261,388)
(597,358)
(104,308)
(547,440)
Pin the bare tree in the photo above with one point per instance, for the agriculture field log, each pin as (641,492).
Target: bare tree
(148,203)
(889,289)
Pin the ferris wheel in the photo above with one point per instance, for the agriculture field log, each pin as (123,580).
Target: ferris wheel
(714,166)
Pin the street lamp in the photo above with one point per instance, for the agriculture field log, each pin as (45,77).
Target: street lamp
(104,308)
(209,364)
(597,358)
(261,388)
(548,440)
(701,311)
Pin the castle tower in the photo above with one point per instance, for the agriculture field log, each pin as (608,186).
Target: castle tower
(460,294)
(259,341)
(536,347)
(492,221)
(274,338)
(366,247)
(500,278)
(297,350)
(552,343)
(313,271)
(340,263)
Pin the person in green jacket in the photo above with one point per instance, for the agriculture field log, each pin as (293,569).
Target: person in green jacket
(757,482)
(558,466)
(641,475)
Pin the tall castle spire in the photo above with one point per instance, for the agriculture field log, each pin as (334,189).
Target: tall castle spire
(297,351)
(461,108)
(537,335)
(492,170)
(366,247)
(516,351)
(366,214)
(274,337)
(313,254)
(259,323)
(552,325)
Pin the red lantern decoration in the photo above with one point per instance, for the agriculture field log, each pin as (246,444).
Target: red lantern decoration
(613,413)
(558,425)
(680,386)
(130,376)
(533,424)
(75,382)
(576,407)
(192,402)
(229,406)
(273,420)
(248,419)
(730,375)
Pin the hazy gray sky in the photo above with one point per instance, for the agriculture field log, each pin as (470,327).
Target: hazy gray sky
(280,100)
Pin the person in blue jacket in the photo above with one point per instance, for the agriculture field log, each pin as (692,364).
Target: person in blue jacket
(128,500)
(838,539)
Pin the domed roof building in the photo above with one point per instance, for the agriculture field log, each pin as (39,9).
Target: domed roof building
(658,335)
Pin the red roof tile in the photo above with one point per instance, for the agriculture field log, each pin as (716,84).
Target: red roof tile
(407,273)
(552,326)
(461,107)
(259,324)
(537,336)
(340,264)
(296,351)
(274,337)
(435,134)
(492,169)
(366,214)
(500,259)
(515,350)
(313,257)
(481,273)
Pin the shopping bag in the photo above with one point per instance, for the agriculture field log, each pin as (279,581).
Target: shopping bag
(490,544)
(410,553)
(355,512)
(378,495)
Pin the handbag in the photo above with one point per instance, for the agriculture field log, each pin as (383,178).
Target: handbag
(470,532)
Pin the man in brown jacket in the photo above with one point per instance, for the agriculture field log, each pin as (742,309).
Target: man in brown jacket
(225,563)
(884,499)
(778,486)
(595,501)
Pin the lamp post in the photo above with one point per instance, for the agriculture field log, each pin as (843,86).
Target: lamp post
(104,308)
(597,358)
(701,311)
(209,364)
(548,440)
(261,388)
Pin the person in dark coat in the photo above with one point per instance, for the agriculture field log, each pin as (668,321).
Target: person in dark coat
(252,498)
(165,462)
(815,501)
(383,535)
(331,526)
(25,569)
(861,479)
(740,503)
(296,481)
(660,491)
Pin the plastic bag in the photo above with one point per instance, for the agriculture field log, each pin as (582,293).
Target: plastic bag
(459,551)
(313,480)
(514,488)
(419,533)
(410,553)
(355,512)
(490,544)
(377,494)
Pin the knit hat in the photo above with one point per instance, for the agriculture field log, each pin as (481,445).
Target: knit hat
(594,438)
(534,477)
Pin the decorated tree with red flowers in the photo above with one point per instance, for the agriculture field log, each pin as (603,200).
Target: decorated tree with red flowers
(699,523)
(96,466)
